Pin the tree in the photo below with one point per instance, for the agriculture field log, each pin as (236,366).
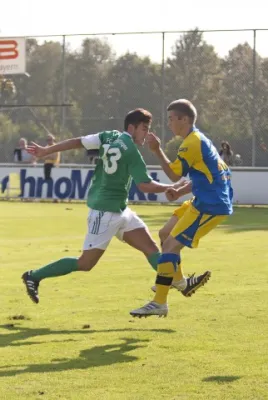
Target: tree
(8,138)
(102,88)
(86,71)
(172,147)
(244,109)
(194,72)
(7,90)
(134,82)
(44,61)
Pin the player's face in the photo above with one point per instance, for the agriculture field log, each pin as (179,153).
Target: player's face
(176,123)
(140,133)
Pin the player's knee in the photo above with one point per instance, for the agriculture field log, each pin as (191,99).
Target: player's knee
(154,246)
(84,264)
(171,245)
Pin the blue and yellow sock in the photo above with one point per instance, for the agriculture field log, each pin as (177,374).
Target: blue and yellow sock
(178,276)
(167,266)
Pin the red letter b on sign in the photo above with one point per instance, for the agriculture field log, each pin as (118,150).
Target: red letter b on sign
(8,49)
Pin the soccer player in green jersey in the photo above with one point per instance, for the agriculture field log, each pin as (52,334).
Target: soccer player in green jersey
(109,216)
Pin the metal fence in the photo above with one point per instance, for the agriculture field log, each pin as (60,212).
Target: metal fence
(224,73)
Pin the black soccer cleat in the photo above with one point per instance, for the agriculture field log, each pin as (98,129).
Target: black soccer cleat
(195,282)
(31,286)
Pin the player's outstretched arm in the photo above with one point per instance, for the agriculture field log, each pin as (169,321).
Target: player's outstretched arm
(153,187)
(139,173)
(183,187)
(178,190)
(154,144)
(40,151)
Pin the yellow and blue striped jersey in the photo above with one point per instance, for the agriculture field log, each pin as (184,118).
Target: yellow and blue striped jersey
(210,176)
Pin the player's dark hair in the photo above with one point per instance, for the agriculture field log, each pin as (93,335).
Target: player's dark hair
(183,107)
(136,117)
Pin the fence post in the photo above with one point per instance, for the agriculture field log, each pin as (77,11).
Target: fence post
(63,87)
(253,116)
(163,110)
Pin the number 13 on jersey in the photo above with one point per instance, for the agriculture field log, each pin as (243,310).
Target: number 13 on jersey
(110,158)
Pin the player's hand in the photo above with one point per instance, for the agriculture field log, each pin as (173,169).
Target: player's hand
(172,194)
(153,141)
(182,182)
(36,150)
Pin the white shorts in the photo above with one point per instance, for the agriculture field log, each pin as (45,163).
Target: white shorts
(103,226)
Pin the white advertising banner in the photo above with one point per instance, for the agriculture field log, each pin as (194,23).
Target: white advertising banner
(12,56)
(71,182)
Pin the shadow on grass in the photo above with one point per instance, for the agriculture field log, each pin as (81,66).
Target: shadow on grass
(19,335)
(96,356)
(247,219)
(221,378)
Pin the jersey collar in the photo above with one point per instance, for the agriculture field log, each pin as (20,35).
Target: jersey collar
(193,129)
(128,134)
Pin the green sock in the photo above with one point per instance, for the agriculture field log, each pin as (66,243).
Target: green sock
(61,267)
(153,259)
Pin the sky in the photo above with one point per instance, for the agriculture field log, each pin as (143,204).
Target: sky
(58,17)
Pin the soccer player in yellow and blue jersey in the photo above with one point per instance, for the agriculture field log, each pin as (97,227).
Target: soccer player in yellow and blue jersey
(210,183)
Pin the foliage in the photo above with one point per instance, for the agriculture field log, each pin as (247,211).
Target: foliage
(103,87)
(172,147)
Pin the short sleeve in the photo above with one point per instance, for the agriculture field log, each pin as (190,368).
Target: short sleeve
(91,141)
(137,168)
(176,167)
(186,158)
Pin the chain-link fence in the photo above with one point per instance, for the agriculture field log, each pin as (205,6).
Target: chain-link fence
(224,73)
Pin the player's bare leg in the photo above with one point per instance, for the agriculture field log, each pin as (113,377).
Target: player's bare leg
(88,259)
(141,240)
(167,228)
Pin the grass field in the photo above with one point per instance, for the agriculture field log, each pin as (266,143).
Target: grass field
(80,343)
